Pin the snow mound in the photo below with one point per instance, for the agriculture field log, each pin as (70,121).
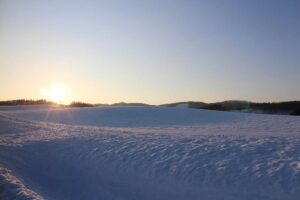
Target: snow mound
(149,116)
(13,188)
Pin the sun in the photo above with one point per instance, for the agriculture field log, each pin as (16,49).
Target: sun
(56,92)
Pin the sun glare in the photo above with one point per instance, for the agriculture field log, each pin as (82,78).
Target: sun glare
(57,93)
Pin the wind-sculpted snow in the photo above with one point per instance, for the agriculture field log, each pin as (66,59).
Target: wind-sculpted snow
(245,156)
(12,188)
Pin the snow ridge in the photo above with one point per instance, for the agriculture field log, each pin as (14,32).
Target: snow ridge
(12,188)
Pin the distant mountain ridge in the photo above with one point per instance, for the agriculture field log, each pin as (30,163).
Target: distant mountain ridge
(285,108)
(129,104)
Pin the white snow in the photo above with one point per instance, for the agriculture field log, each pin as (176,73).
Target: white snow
(147,153)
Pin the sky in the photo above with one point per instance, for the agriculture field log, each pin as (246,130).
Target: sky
(155,51)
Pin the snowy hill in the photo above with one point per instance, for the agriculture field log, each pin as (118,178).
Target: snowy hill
(147,153)
(125,116)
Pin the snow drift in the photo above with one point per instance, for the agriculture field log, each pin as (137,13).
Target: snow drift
(148,153)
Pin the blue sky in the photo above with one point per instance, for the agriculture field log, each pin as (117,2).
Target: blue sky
(151,51)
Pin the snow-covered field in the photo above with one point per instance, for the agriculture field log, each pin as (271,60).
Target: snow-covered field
(130,153)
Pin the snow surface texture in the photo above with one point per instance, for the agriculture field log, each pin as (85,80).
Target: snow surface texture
(12,188)
(147,153)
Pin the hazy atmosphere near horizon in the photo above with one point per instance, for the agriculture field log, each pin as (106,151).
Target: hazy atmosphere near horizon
(150,51)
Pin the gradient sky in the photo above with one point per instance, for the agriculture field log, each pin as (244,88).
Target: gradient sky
(154,51)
